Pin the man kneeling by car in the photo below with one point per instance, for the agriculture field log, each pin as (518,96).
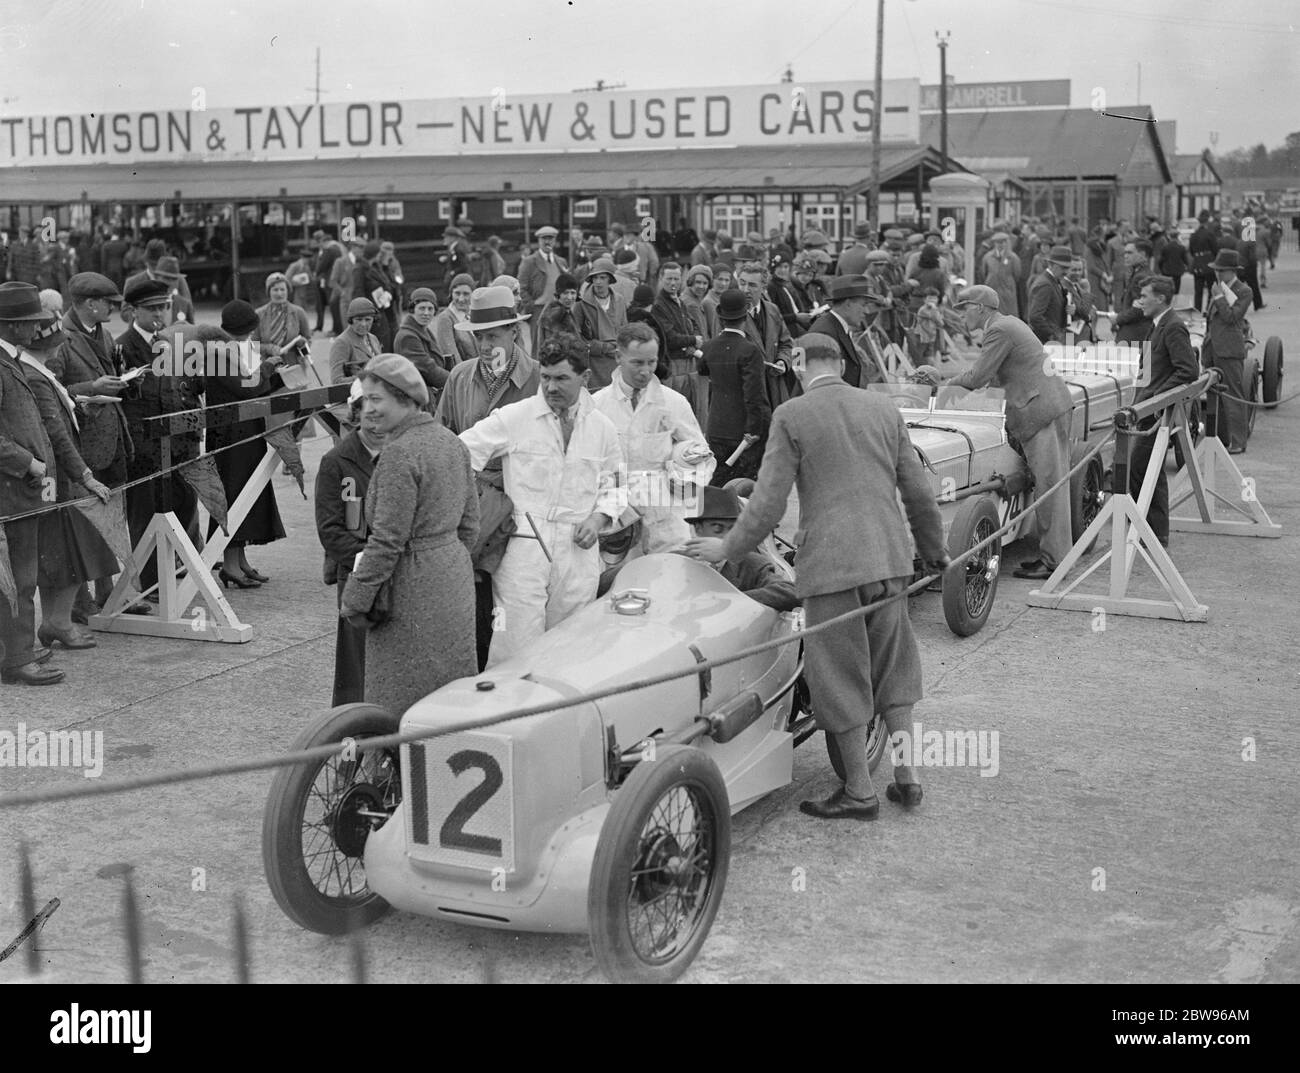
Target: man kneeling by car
(753,573)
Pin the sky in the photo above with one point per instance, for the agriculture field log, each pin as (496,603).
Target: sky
(1227,72)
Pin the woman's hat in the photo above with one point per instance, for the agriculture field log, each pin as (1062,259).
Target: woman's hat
(49,335)
(398,372)
(601,266)
(422,294)
(490,307)
(733,305)
(699,270)
(238,317)
(1227,260)
(643,295)
(461,279)
(274,278)
(565,282)
(360,307)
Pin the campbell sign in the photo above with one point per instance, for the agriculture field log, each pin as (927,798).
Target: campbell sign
(774,115)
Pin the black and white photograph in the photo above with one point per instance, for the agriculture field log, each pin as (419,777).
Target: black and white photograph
(557,491)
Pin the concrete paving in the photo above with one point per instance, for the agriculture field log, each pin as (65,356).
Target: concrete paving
(1124,836)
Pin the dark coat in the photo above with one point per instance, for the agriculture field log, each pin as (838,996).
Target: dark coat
(858,371)
(677,327)
(738,403)
(236,464)
(1047,308)
(423,512)
(417,343)
(81,359)
(340,505)
(1225,335)
(759,578)
(1131,324)
(22,437)
(1203,247)
(156,395)
(1173,361)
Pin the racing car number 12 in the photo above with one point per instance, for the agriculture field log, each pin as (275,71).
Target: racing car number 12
(470,789)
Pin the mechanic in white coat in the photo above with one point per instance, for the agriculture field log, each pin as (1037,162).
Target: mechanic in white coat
(666,456)
(560,464)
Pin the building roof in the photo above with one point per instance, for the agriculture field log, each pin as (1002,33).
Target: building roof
(1184,166)
(842,168)
(1057,143)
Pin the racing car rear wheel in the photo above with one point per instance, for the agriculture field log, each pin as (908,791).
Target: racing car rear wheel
(660,866)
(968,590)
(319,815)
(1272,371)
(1086,498)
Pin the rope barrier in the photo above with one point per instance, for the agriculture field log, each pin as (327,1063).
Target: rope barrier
(388,741)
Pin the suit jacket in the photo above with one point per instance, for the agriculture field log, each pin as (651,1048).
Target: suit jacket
(418,345)
(61,430)
(853,261)
(1225,335)
(1047,308)
(154,396)
(762,581)
(22,438)
(1203,247)
(81,359)
(532,276)
(738,403)
(859,370)
(849,455)
(1131,324)
(777,346)
(1011,358)
(341,281)
(677,326)
(1173,361)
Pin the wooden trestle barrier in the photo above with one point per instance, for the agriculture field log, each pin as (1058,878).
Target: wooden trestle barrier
(1131,535)
(213,619)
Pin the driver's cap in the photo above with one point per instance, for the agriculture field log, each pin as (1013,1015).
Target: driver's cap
(978,295)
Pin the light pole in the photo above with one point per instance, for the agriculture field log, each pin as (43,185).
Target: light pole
(942,37)
(873,206)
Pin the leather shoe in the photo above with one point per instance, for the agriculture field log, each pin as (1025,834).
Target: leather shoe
(840,806)
(32,674)
(1236,450)
(1030,564)
(907,794)
(41,654)
(1038,571)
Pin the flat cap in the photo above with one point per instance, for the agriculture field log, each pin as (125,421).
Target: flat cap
(93,285)
(143,292)
(546,232)
(893,235)
(978,295)
(819,347)
(878,257)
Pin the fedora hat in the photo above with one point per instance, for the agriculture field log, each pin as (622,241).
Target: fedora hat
(168,268)
(733,305)
(490,307)
(842,287)
(20,301)
(1227,260)
(717,504)
(1061,255)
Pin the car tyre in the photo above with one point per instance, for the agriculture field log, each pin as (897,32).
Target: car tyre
(1250,384)
(1272,371)
(1086,498)
(313,837)
(969,589)
(667,838)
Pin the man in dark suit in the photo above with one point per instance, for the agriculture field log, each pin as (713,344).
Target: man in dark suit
(1130,324)
(852,302)
(538,272)
(1038,415)
(766,328)
(1047,297)
(1173,362)
(157,394)
(849,455)
(1202,247)
(738,408)
(1224,347)
(27,482)
(679,333)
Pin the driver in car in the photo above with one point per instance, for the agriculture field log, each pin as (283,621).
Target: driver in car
(754,574)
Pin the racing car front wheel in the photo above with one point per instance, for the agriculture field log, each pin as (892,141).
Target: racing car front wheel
(319,815)
(1272,371)
(1086,498)
(968,590)
(660,866)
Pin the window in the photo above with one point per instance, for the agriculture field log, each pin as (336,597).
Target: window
(642,207)
(516,208)
(586,208)
(389,210)
(734,220)
(826,218)
(444,209)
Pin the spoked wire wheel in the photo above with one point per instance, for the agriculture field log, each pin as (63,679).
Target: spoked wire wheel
(319,815)
(660,867)
(968,590)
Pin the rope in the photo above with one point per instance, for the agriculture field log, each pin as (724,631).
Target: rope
(389,741)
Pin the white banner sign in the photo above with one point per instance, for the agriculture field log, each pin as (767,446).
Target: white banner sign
(815,113)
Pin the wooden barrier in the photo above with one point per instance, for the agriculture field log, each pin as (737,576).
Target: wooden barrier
(165,538)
